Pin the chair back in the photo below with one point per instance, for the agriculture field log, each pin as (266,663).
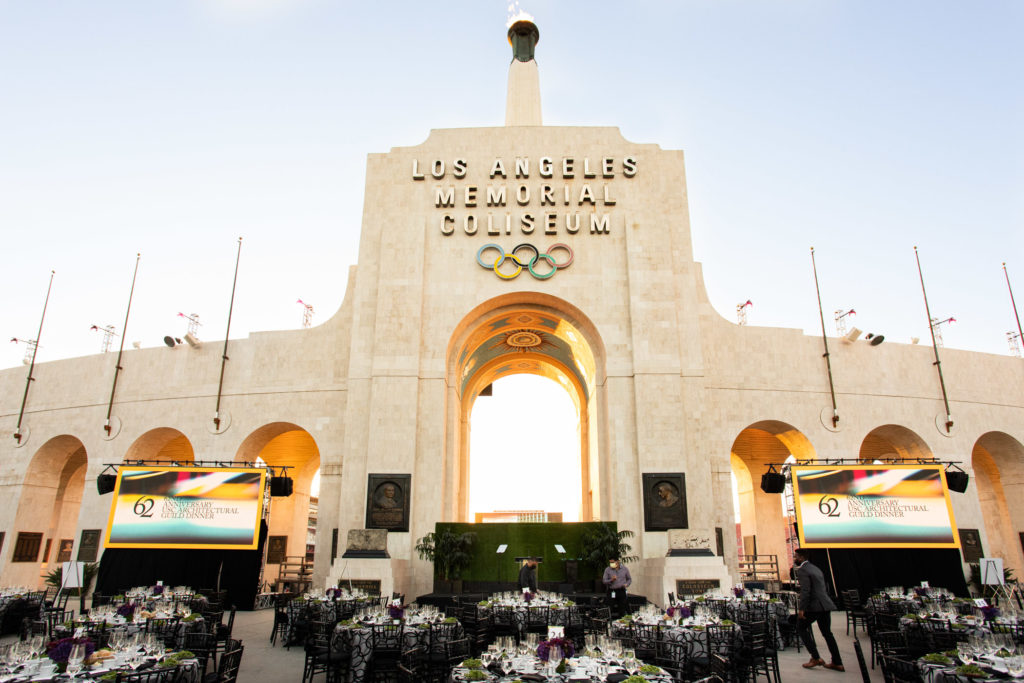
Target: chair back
(864,673)
(230,663)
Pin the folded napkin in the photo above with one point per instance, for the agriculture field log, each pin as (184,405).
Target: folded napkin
(533,677)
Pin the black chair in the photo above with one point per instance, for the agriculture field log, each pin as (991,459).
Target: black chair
(674,658)
(201,644)
(230,663)
(164,628)
(891,643)
(537,620)
(897,670)
(645,638)
(756,655)
(222,633)
(387,651)
(280,627)
(596,622)
(855,612)
(723,668)
(503,621)
(325,653)
(56,617)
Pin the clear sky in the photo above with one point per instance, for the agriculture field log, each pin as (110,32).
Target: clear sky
(861,128)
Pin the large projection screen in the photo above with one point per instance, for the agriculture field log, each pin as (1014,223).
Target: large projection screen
(186,507)
(873,506)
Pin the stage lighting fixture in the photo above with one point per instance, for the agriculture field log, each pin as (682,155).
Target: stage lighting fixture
(875,339)
(105,483)
(281,487)
(957,480)
(852,335)
(193,340)
(171,341)
(772,481)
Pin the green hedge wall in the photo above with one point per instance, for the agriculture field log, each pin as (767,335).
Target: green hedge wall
(524,539)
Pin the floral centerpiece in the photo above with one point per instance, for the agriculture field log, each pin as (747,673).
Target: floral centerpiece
(990,612)
(680,611)
(527,596)
(59,650)
(157,590)
(739,591)
(564,644)
(395,610)
(127,610)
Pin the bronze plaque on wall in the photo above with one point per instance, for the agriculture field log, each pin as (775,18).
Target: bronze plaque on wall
(970,545)
(64,549)
(90,545)
(387,501)
(696,586)
(664,501)
(277,549)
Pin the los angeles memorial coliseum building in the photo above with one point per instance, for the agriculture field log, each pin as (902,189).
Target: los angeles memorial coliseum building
(558,251)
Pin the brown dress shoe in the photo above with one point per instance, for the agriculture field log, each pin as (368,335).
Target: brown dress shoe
(813,663)
(835,667)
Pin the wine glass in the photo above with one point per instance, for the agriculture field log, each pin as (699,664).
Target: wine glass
(76,660)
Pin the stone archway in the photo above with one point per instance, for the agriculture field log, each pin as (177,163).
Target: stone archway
(284,444)
(51,497)
(894,442)
(164,444)
(763,526)
(997,460)
(525,333)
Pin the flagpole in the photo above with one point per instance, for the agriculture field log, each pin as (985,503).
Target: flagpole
(32,365)
(224,355)
(824,339)
(935,346)
(120,350)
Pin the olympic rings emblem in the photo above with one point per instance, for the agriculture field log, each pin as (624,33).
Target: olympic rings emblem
(520,262)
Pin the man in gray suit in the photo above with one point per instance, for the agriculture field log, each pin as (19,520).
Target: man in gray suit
(815,606)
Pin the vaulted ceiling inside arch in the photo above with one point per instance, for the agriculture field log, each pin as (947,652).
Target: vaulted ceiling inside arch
(528,342)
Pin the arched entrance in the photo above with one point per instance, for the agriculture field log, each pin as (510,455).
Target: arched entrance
(164,444)
(283,444)
(998,463)
(764,527)
(894,442)
(47,517)
(525,333)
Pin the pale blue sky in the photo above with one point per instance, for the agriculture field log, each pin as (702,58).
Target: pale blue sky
(171,128)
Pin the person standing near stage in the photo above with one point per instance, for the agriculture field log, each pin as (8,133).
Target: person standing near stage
(616,580)
(528,575)
(815,606)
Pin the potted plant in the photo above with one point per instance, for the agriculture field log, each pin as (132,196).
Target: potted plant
(602,542)
(89,570)
(451,554)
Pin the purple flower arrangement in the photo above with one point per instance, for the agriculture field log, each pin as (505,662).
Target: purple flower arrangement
(396,612)
(527,597)
(59,650)
(127,610)
(739,592)
(990,612)
(157,590)
(920,591)
(681,612)
(565,644)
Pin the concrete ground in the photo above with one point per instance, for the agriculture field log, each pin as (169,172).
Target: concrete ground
(264,663)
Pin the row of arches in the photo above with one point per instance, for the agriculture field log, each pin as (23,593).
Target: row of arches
(55,483)
(996,460)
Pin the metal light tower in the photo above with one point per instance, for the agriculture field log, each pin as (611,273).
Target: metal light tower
(841,317)
(30,348)
(307,313)
(109,332)
(1013,339)
(937,329)
(741,311)
(193,323)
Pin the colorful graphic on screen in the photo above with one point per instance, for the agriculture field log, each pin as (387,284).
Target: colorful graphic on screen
(186,507)
(873,506)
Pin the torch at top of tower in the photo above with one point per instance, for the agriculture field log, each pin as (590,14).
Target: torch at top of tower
(522,105)
(523,36)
